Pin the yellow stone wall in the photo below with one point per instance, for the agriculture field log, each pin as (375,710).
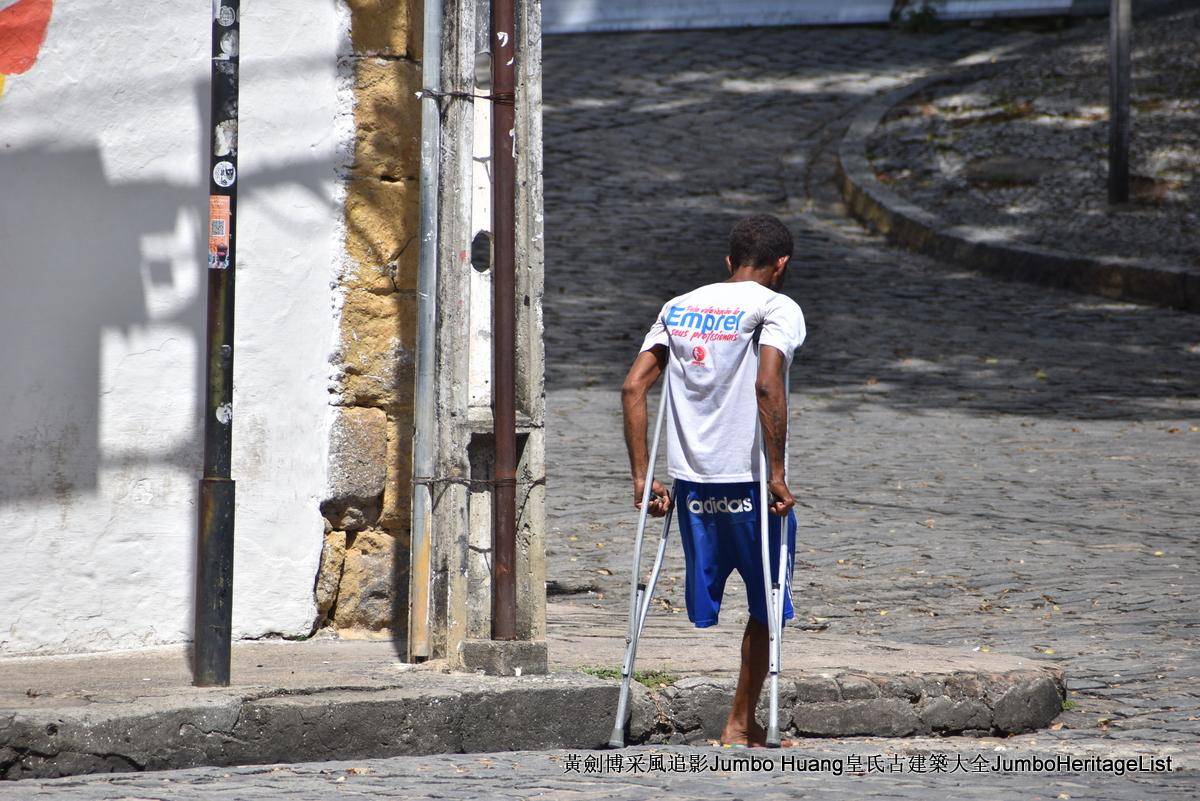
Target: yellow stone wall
(362,583)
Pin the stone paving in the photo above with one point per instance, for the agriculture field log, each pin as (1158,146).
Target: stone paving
(1024,153)
(985,465)
(941,768)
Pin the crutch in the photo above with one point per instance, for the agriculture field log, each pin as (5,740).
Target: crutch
(640,594)
(773,591)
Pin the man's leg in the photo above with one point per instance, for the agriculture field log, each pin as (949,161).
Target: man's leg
(742,728)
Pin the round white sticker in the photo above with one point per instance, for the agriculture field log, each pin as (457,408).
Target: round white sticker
(224,174)
(225,16)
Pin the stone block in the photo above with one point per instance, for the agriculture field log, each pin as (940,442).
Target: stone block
(357,455)
(816,688)
(504,657)
(350,518)
(375,359)
(945,715)
(909,688)
(367,592)
(385,27)
(1027,706)
(346,725)
(387,117)
(329,574)
(397,489)
(964,685)
(700,706)
(647,723)
(382,224)
(787,700)
(539,713)
(856,688)
(880,717)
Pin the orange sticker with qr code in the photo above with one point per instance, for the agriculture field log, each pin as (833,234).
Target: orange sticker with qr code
(218,231)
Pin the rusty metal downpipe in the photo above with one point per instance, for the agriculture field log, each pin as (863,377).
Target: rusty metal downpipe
(214,564)
(504,332)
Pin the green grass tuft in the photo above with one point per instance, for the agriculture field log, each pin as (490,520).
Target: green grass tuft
(650,678)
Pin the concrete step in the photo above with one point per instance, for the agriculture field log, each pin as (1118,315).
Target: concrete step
(328,699)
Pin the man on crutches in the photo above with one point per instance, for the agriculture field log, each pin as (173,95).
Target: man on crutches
(725,348)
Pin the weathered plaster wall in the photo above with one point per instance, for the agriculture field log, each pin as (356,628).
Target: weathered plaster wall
(102,204)
(22,31)
(461,552)
(363,581)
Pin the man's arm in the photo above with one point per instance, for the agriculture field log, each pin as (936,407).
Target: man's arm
(646,369)
(771,389)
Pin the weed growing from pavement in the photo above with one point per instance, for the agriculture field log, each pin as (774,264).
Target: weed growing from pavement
(650,678)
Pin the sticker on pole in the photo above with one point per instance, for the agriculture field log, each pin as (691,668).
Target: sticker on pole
(225,138)
(228,46)
(224,174)
(219,219)
(225,16)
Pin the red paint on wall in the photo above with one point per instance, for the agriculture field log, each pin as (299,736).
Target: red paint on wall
(22,29)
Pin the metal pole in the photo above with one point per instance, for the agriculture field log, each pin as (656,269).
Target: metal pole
(424,429)
(504,332)
(1118,93)
(214,569)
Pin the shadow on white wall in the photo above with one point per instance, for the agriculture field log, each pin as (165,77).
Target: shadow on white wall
(87,261)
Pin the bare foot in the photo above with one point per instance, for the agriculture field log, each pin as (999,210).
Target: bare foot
(754,736)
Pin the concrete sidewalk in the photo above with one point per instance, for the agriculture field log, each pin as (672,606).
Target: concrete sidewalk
(330,699)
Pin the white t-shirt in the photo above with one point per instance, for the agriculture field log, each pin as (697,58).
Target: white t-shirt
(712,430)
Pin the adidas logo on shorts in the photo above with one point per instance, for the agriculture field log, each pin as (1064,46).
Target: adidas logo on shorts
(721,505)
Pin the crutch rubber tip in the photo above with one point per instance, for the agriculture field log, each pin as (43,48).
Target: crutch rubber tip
(773,740)
(617,740)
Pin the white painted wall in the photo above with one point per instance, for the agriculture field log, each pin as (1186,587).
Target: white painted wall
(103,203)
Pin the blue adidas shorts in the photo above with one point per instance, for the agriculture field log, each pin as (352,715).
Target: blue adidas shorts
(719,525)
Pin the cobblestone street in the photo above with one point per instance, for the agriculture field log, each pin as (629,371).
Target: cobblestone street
(984,465)
(563,775)
(988,465)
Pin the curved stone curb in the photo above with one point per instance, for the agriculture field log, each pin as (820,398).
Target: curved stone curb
(431,713)
(854,704)
(922,231)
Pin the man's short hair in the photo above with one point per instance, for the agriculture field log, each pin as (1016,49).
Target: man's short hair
(759,241)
